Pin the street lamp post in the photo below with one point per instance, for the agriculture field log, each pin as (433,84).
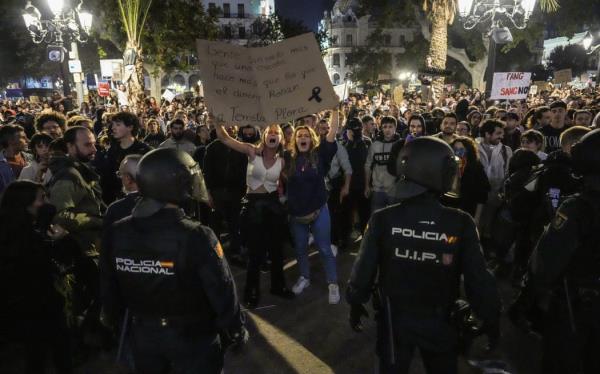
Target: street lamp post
(474,12)
(74,24)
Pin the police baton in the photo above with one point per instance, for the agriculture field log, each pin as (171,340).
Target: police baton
(122,336)
(569,305)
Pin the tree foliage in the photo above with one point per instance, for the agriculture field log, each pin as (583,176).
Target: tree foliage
(275,28)
(169,34)
(570,57)
(370,60)
(265,31)
(570,17)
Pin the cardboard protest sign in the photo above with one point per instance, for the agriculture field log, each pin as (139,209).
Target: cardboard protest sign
(510,86)
(168,95)
(563,76)
(533,90)
(543,85)
(398,95)
(103,89)
(260,86)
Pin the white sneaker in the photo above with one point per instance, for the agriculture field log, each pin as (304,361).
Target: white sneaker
(334,250)
(334,294)
(300,285)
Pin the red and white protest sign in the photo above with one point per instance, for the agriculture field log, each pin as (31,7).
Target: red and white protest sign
(103,89)
(510,86)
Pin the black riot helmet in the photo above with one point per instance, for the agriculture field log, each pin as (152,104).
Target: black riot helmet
(166,175)
(585,154)
(425,164)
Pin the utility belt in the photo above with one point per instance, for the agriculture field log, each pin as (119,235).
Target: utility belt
(195,322)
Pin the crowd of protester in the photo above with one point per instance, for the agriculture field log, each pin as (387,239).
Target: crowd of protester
(66,173)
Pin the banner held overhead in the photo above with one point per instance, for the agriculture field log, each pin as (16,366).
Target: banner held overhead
(260,86)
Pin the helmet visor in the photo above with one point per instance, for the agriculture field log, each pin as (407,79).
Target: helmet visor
(454,178)
(199,192)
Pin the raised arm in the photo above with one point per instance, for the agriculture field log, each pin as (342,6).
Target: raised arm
(334,122)
(245,148)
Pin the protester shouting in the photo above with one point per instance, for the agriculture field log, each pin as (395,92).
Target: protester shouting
(263,215)
(307,165)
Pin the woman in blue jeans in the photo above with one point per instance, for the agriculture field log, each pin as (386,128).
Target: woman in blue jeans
(307,165)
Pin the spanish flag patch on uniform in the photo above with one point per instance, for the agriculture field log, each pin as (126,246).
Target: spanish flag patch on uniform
(559,220)
(219,249)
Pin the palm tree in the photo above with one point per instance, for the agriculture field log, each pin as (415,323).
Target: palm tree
(441,14)
(133,17)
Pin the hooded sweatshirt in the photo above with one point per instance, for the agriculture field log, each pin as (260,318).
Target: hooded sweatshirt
(377,161)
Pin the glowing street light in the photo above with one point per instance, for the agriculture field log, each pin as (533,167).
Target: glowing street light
(56,7)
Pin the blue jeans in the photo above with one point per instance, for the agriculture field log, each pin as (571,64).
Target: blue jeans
(379,200)
(321,229)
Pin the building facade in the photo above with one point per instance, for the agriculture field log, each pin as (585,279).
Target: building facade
(235,20)
(346,31)
(237,16)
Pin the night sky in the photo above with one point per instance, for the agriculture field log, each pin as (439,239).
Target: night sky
(308,11)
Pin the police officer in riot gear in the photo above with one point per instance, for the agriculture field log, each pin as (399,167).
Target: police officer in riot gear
(169,273)
(416,252)
(566,262)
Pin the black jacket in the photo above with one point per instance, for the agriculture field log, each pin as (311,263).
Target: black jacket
(28,273)
(555,184)
(224,169)
(568,249)
(416,252)
(107,163)
(357,154)
(168,266)
(474,189)
(120,209)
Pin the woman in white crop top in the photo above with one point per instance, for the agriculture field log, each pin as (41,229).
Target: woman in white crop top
(263,216)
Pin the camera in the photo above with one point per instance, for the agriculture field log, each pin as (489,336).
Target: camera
(56,53)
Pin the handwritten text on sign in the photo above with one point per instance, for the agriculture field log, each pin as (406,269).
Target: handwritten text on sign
(260,86)
(510,86)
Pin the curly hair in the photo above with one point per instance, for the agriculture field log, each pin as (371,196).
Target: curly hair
(51,116)
(469,144)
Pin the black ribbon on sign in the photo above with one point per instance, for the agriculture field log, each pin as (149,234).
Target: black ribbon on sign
(315,94)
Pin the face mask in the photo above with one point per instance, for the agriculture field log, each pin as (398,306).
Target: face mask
(248,138)
(460,153)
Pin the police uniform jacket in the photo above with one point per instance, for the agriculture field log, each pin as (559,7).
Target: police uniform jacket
(569,246)
(167,267)
(418,250)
